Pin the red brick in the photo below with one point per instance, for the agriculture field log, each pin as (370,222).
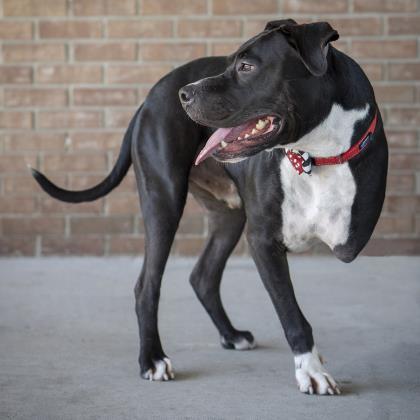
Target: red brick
(105,52)
(188,245)
(385,6)
(374,71)
(117,118)
(254,26)
(126,244)
(203,28)
(35,97)
(139,73)
(394,93)
(79,245)
(384,49)
(400,183)
(88,141)
(310,6)
(168,52)
(33,141)
(401,138)
(404,204)
(15,119)
(129,183)
(104,7)
(407,161)
(101,225)
(192,207)
(17,205)
(404,71)
(123,203)
(379,247)
(224,48)
(87,180)
(15,30)
(173,7)
(404,25)
(404,116)
(34,7)
(17,163)
(75,162)
(194,224)
(342,45)
(15,74)
(70,29)
(394,225)
(33,52)
(69,119)
(241,7)
(83,181)
(140,28)
(349,26)
(105,97)
(69,73)
(17,245)
(144,91)
(32,225)
(53,206)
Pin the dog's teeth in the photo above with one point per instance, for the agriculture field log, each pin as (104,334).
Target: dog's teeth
(246,135)
(239,138)
(223,143)
(261,124)
(254,131)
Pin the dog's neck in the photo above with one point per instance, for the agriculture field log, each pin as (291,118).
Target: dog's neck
(333,135)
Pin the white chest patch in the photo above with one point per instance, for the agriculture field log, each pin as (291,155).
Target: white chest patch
(318,206)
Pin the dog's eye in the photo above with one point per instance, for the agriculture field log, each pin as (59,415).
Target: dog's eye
(245,67)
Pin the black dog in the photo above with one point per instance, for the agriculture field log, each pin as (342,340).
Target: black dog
(305,127)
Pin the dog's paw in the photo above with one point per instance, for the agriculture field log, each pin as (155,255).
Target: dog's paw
(243,340)
(311,376)
(161,371)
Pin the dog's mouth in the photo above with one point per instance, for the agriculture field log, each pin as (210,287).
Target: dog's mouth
(230,143)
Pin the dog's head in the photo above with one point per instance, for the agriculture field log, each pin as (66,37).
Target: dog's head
(268,94)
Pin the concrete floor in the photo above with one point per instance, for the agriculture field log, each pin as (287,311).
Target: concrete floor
(68,342)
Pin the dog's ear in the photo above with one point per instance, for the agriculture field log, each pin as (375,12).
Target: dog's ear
(276,23)
(311,42)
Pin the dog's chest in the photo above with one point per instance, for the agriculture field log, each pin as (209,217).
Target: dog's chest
(316,207)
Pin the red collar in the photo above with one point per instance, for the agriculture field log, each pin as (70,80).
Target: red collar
(302,162)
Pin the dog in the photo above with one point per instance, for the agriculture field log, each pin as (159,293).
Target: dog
(284,135)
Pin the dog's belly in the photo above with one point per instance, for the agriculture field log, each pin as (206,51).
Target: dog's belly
(316,207)
(209,181)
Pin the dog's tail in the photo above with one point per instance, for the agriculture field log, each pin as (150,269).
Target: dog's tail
(114,178)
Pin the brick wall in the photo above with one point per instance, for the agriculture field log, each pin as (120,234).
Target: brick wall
(72,72)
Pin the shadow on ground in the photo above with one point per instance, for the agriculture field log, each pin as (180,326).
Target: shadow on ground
(68,342)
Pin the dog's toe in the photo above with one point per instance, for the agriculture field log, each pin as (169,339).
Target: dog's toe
(161,371)
(312,378)
(244,340)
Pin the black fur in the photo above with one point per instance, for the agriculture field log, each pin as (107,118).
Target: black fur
(298,79)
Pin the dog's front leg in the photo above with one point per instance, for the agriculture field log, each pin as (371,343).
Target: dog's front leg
(271,260)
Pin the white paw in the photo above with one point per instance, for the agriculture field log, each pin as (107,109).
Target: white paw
(244,344)
(241,344)
(311,376)
(162,371)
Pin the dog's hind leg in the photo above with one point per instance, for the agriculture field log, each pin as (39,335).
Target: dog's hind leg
(225,226)
(162,179)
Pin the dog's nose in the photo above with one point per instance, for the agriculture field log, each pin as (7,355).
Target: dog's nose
(186,94)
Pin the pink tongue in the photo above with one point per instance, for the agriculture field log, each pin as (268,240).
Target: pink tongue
(212,143)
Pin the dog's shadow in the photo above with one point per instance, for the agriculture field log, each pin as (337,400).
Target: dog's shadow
(386,372)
